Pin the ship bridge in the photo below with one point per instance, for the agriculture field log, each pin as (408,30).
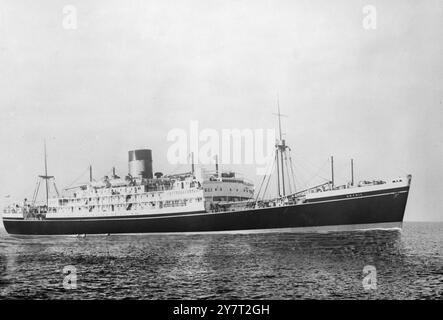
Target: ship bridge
(226,187)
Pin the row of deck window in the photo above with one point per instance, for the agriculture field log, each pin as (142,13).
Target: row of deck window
(127,207)
(116,199)
(230,189)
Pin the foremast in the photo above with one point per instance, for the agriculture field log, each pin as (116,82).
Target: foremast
(281,158)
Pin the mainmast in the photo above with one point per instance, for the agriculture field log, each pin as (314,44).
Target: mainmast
(46,177)
(352,172)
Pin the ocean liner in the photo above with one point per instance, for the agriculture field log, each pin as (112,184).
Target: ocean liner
(207,201)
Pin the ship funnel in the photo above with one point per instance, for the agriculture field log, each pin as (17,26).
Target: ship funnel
(140,163)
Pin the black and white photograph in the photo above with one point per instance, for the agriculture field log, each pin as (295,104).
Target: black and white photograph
(221,150)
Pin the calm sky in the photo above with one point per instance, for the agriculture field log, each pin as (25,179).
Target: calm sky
(133,70)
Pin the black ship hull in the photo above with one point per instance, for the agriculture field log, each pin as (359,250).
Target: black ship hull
(384,207)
